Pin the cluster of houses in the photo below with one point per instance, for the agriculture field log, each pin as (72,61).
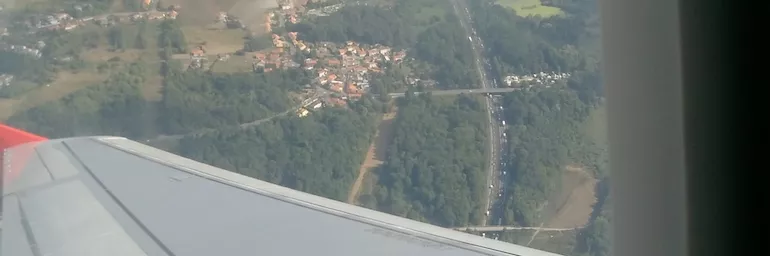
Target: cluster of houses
(347,68)
(535,79)
(64,21)
(325,11)
(310,106)
(58,21)
(171,15)
(34,52)
(267,61)
(342,70)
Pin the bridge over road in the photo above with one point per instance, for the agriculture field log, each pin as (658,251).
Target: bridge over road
(459,91)
(504,228)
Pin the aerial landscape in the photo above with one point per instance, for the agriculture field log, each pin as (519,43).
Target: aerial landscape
(482,116)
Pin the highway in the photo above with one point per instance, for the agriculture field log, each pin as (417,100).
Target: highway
(495,188)
(459,91)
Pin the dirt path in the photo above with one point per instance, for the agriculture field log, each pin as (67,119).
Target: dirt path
(162,137)
(535,234)
(376,154)
(573,206)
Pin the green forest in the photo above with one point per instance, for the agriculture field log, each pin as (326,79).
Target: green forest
(434,171)
(319,154)
(544,131)
(194,100)
(544,136)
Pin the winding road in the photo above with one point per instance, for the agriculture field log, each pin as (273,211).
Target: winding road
(242,126)
(491,90)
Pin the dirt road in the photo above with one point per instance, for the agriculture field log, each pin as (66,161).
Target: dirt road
(376,154)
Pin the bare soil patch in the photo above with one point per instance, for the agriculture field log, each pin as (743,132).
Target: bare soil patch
(572,207)
(376,154)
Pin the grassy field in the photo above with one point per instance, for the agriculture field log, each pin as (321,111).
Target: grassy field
(64,84)
(554,241)
(233,65)
(102,54)
(204,12)
(216,41)
(526,8)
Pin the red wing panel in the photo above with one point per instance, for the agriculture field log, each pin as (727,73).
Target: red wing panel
(14,163)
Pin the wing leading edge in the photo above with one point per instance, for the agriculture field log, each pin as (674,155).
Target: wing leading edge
(114,196)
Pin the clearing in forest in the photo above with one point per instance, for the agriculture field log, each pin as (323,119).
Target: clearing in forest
(376,154)
(572,206)
(526,8)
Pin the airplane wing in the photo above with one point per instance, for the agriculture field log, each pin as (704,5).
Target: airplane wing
(113,196)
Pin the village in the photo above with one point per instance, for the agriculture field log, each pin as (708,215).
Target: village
(66,22)
(341,70)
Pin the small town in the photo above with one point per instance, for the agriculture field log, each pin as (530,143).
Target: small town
(342,70)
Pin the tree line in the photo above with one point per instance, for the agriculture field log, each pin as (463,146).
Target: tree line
(197,100)
(318,154)
(435,166)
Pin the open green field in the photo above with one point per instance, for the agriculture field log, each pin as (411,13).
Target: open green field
(554,241)
(215,40)
(236,64)
(526,8)
(64,84)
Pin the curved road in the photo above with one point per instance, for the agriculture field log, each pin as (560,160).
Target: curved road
(459,91)
(242,126)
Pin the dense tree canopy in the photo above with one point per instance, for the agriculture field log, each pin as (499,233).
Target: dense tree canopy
(446,46)
(527,45)
(435,166)
(193,100)
(319,154)
(543,135)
